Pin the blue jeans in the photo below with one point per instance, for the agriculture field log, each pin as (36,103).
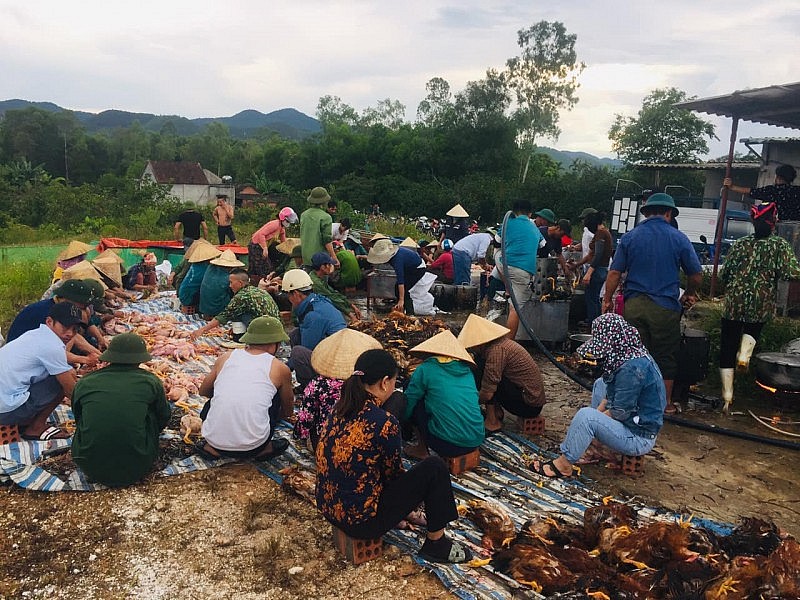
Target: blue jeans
(462,268)
(589,424)
(596,282)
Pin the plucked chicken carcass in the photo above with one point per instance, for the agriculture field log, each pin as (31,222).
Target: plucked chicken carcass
(191,424)
(495,523)
(302,483)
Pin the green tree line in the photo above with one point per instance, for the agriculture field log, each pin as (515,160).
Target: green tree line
(476,146)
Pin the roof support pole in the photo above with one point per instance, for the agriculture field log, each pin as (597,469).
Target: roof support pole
(723,206)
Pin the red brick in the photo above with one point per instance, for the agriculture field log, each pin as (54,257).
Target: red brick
(633,465)
(357,551)
(8,434)
(533,426)
(465,462)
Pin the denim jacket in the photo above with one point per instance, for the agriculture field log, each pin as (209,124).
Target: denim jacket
(636,396)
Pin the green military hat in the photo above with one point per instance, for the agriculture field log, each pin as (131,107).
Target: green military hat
(264,330)
(126,348)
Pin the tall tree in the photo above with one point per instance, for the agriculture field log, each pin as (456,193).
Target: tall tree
(543,79)
(332,111)
(661,132)
(438,104)
(389,113)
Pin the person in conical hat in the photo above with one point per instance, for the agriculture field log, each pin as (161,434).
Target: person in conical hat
(74,253)
(333,360)
(215,290)
(509,377)
(199,261)
(443,400)
(409,243)
(456,224)
(111,269)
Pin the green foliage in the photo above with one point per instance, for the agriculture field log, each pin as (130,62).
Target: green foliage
(20,284)
(661,133)
(543,79)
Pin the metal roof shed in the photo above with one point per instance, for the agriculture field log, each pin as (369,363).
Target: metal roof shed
(774,105)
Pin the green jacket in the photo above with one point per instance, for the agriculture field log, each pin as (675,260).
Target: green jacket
(119,413)
(338,299)
(451,401)
(315,232)
(350,269)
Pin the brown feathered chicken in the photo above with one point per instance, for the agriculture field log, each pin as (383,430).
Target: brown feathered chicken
(495,523)
(302,483)
(774,576)
(751,537)
(534,566)
(607,515)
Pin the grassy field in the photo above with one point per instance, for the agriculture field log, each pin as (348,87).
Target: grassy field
(21,283)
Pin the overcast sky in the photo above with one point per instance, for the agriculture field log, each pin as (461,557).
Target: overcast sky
(207,59)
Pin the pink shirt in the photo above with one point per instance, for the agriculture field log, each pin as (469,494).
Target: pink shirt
(268,231)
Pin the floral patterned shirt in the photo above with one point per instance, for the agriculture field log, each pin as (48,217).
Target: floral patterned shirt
(318,399)
(751,272)
(355,457)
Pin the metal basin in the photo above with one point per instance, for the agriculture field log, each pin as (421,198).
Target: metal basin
(576,339)
(778,370)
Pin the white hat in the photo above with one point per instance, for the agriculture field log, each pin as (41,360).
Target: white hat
(457,211)
(227,259)
(381,252)
(296,279)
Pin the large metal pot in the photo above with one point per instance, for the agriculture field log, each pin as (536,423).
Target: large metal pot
(778,370)
(577,339)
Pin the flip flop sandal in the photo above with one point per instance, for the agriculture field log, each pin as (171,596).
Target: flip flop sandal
(457,554)
(279,446)
(540,469)
(200,450)
(51,433)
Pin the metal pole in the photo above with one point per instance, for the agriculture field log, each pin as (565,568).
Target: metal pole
(723,206)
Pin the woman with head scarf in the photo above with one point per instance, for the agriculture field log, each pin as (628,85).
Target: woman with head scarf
(628,401)
(751,271)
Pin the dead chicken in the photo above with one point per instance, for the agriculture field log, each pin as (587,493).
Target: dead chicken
(191,424)
(534,566)
(495,523)
(774,576)
(301,482)
(603,516)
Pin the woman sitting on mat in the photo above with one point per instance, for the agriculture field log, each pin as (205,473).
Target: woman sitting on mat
(627,402)
(443,400)
(362,487)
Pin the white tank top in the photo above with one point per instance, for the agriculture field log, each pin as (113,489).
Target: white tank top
(243,394)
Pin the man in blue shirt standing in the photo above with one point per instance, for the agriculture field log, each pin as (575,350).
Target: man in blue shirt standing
(652,254)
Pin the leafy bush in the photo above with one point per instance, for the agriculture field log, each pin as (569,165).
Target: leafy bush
(20,284)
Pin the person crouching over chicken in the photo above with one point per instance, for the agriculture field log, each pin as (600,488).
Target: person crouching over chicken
(120,411)
(249,391)
(443,400)
(628,401)
(362,487)
(508,377)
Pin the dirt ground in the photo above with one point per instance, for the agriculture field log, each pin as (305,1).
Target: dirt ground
(232,532)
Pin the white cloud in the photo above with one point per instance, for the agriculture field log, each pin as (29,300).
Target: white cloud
(215,58)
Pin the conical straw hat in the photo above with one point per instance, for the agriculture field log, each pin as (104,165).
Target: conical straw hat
(227,259)
(336,355)
(409,243)
(81,270)
(444,344)
(110,268)
(75,248)
(478,331)
(203,252)
(287,246)
(109,253)
(457,211)
(375,237)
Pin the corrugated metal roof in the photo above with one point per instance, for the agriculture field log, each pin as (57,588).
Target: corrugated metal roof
(766,140)
(774,105)
(706,166)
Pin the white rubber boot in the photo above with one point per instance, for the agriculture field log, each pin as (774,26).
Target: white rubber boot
(745,351)
(726,377)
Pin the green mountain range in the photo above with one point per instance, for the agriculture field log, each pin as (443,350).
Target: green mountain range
(287,122)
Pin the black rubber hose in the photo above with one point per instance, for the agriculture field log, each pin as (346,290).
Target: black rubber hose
(669,418)
(528,330)
(732,433)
